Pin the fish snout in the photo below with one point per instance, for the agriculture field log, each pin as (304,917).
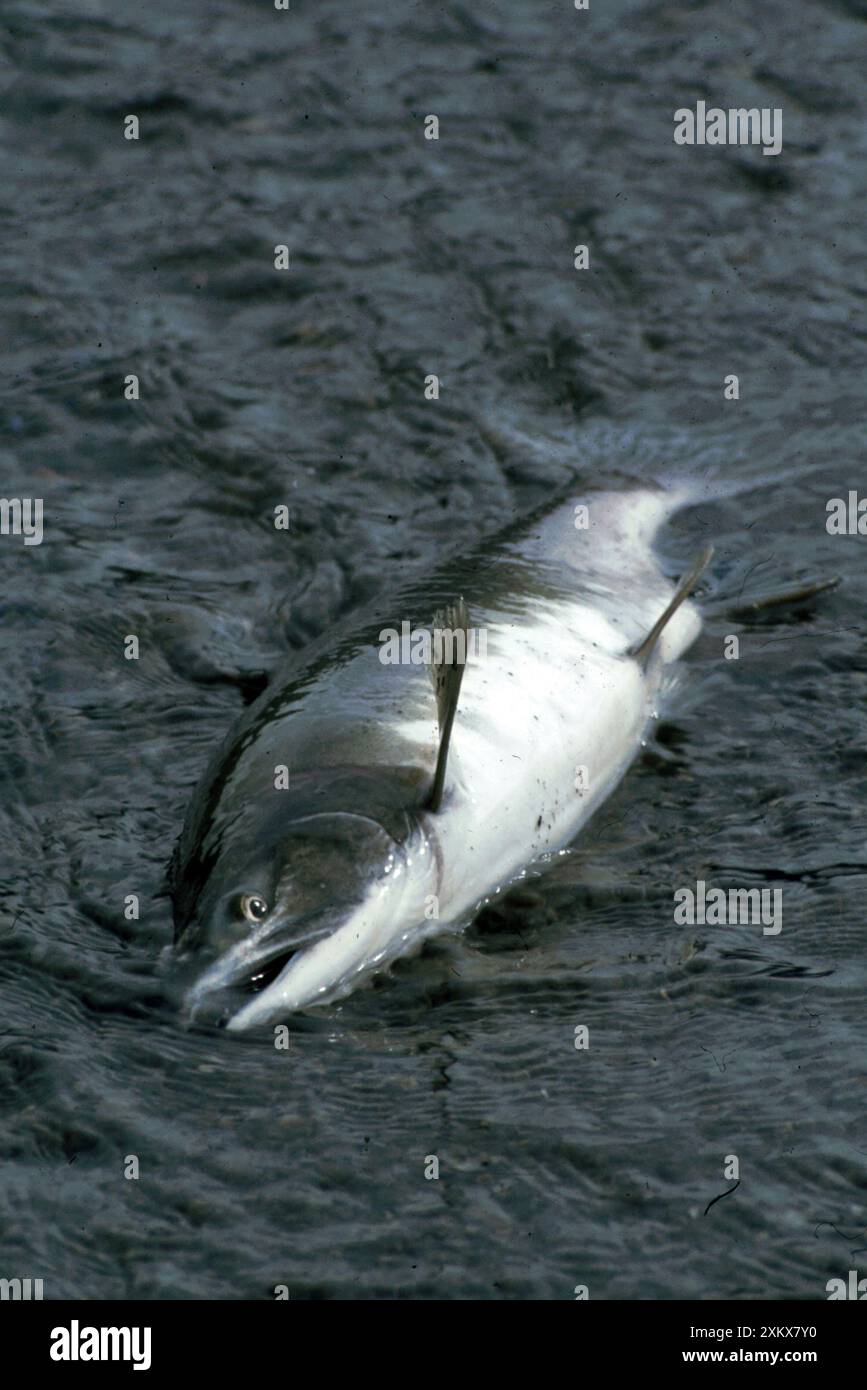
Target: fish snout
(241,964)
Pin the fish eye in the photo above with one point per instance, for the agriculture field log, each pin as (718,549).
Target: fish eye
(254,908)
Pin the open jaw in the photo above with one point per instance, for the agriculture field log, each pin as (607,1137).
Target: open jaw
(324,969)
(245,972)
(268,975)
(289,963)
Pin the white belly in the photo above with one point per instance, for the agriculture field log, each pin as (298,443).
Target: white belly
(548,725)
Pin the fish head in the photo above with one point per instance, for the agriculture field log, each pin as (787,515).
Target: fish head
(267,906)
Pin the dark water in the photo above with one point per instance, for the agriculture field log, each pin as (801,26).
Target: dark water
(305,387)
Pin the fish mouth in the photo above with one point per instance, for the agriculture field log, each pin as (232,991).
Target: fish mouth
(246,970)
(269,972)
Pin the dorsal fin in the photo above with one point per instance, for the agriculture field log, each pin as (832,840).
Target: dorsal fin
(447,674)
(644,649)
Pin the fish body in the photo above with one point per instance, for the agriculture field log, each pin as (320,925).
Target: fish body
(315,817)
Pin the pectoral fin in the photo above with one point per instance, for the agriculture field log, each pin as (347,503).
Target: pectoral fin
(453,626)
(643,651)
(785,598)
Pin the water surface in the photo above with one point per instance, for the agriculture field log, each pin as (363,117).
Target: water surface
(408,257)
